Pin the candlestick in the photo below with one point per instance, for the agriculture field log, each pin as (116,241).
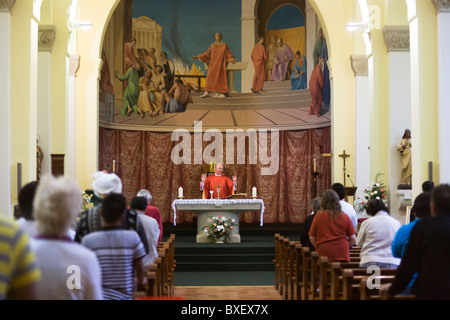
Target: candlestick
(180,192)
(254,192)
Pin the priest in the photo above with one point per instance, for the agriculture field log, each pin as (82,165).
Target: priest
(220,185)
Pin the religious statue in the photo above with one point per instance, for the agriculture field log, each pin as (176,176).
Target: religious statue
(404,147)
(220,185)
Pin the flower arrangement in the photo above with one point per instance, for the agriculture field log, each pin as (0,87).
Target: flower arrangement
(375,190)
(218,227)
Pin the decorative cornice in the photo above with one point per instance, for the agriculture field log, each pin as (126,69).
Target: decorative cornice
(396,38)
(441,5)
(74,64)
(7,5)
(360,65)
(46,37)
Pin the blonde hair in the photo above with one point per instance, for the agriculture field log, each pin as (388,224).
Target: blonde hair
(56,205)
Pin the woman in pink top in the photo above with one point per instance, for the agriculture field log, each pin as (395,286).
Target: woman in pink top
(332,232)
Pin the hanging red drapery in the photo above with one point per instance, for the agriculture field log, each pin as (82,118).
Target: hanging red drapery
(143,161)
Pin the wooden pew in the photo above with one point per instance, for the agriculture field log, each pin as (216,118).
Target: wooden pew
(277,262)
(314,276)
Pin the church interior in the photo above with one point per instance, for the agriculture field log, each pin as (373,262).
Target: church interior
(63,94)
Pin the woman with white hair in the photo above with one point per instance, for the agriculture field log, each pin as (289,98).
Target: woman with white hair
(69,270)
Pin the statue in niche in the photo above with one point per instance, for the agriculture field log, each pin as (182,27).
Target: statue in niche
(404,147)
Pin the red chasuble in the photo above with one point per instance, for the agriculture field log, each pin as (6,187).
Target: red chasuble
(218,55)
(259,58)
(213,182)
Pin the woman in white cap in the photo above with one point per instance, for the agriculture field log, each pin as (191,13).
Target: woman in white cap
(104,184)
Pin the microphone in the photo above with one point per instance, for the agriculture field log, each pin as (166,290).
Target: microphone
(351,180)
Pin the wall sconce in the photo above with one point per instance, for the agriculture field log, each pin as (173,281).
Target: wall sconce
(84,25)
(353,26)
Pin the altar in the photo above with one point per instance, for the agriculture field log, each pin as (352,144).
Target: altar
(229,208)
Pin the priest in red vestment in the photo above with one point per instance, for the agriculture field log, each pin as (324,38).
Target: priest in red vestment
(315,88)
(217,56)
(216,182)
(259,58)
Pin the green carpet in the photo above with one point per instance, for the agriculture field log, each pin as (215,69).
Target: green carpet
(248,263)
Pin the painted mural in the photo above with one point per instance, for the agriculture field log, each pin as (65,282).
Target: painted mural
(185,59)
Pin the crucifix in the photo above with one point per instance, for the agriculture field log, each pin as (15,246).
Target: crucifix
(344,155)
(218,189)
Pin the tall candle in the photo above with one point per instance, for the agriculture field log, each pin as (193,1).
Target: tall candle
(315,165)
(114,166)
(254,192)
(180,192)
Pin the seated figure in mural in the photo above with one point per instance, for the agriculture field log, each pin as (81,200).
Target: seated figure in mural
(315,89)
(404,147)
(147,97)
(217,56)
(283,58)
(177,99)
(158,85)
(299,75)
(131,94)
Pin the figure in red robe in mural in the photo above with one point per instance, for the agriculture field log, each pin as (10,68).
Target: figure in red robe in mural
(259,58)
(315,89)
(217,56)
(217,182)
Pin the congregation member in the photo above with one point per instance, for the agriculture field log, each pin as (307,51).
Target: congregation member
(69,270)
(119,251)
(427,253)
(346,207)
(104,184)
(19,273)
(421,209)
(152,211)
(304,237)
(375,237)
(139,204)
(332,232)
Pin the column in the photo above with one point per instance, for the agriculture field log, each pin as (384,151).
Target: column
(362,124)
(23,78)
(443,71)
(5,106)
(396,39)
(71,155)
(249,39)
(424,113)
(46,40)
(311,36)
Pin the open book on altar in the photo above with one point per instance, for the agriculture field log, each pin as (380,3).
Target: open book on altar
(237,196)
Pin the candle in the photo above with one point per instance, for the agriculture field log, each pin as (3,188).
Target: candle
(114,166)
(315,165)
(254,192)
(180,192)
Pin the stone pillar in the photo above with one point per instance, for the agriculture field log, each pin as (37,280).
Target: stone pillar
(311,36)
(362,125)
(424,82)
(46,39)
(249,39)
(443,92)
(396,39)
(5,106)
(71,155)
